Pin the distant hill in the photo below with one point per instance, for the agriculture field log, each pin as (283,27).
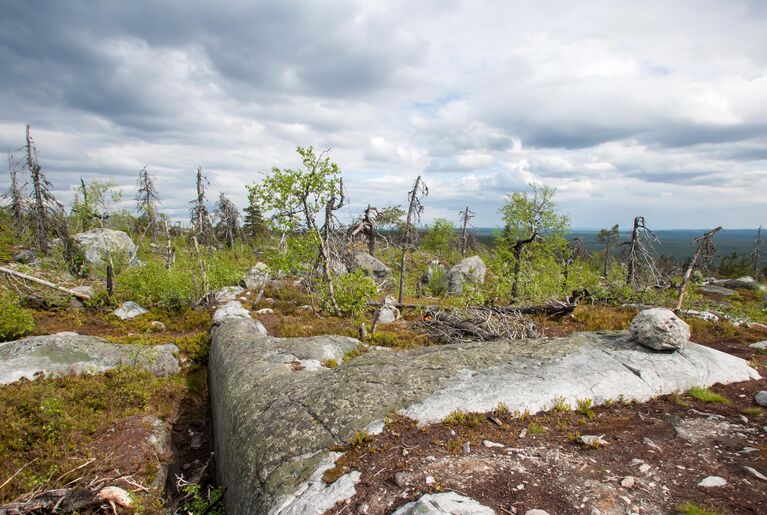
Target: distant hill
(676,243)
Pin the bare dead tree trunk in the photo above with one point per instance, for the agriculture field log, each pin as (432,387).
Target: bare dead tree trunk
(203,268)
(756,255)
(333,204)
(413,212)
(170,255)
(704,252)
(641,253)
(40,213)
(518,248)
(14,194)
(466,215)
(43,282)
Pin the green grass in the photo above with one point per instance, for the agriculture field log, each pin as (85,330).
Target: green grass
(690,508)
(706,395)
(753,412)
(50,422)
(534,428)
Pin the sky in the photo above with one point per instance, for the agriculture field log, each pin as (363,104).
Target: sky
(653,108)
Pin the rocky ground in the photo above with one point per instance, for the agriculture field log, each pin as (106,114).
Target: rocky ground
(658,457)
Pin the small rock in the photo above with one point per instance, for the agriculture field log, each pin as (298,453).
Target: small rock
(536,512)
(761,398)
(747,450)
(644,468)
(363,508)
(429,480)
(659,329)
(743,419)
(520,487)
(405,452)
(523,433)
(627,482)
(400,479)
(265,311)
(388,313)
(593,440)
(649,443)
(636,461)
(257,276)
(25,256)
(755,473)
(128,310)
(712,481)
(489,444)
(595,511)
(466,448)
(759,345)
(157,327)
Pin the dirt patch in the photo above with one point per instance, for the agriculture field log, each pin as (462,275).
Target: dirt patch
(517,462)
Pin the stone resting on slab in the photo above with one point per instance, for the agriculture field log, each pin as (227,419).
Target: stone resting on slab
(278,409)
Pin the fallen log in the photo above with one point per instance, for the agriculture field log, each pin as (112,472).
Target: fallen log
(43,282)
(554,309)
(68,500)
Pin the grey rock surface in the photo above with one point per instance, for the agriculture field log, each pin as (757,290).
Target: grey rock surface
(388,313)
(227,294)
(130,309)
(25,256)
(761,398)
(85,290)
(234,310)
(471,269)
(257,276)
(745,282)
(64,353)
(275,422)
(716,291)
(95,245)
(372,266)
(759,345)
(659,329)
(448,503)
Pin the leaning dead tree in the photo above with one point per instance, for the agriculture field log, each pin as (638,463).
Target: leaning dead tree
(640,262)
(146,202)
(466,216)
(367,227)
(15,197)
(228,217)
(756,255)
(202,227)
(704,255)
(47,217)
(409,234)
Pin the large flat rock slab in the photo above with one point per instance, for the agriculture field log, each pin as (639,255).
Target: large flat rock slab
(275,419)
(65,353)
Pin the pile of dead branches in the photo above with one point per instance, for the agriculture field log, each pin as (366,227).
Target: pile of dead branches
(476,324)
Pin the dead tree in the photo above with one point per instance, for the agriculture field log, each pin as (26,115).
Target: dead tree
(331,247)
(704,254)
(14,196)
(201,221)
(756,255)
(608,238)
(228,217)
(641,256)
(146,202)
(466,216)
(367,227)
(415,208)
(577,250)
(47,215)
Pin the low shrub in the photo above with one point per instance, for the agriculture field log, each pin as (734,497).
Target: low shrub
(15,321)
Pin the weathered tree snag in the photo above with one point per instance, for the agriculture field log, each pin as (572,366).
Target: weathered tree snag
(40,222)
(146,201)
(704,252)
(45,283)
(519,245)
(756,255)
(415,208)
(367,226)
(201,222)
(14,195)
(640,254)
(466,215)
